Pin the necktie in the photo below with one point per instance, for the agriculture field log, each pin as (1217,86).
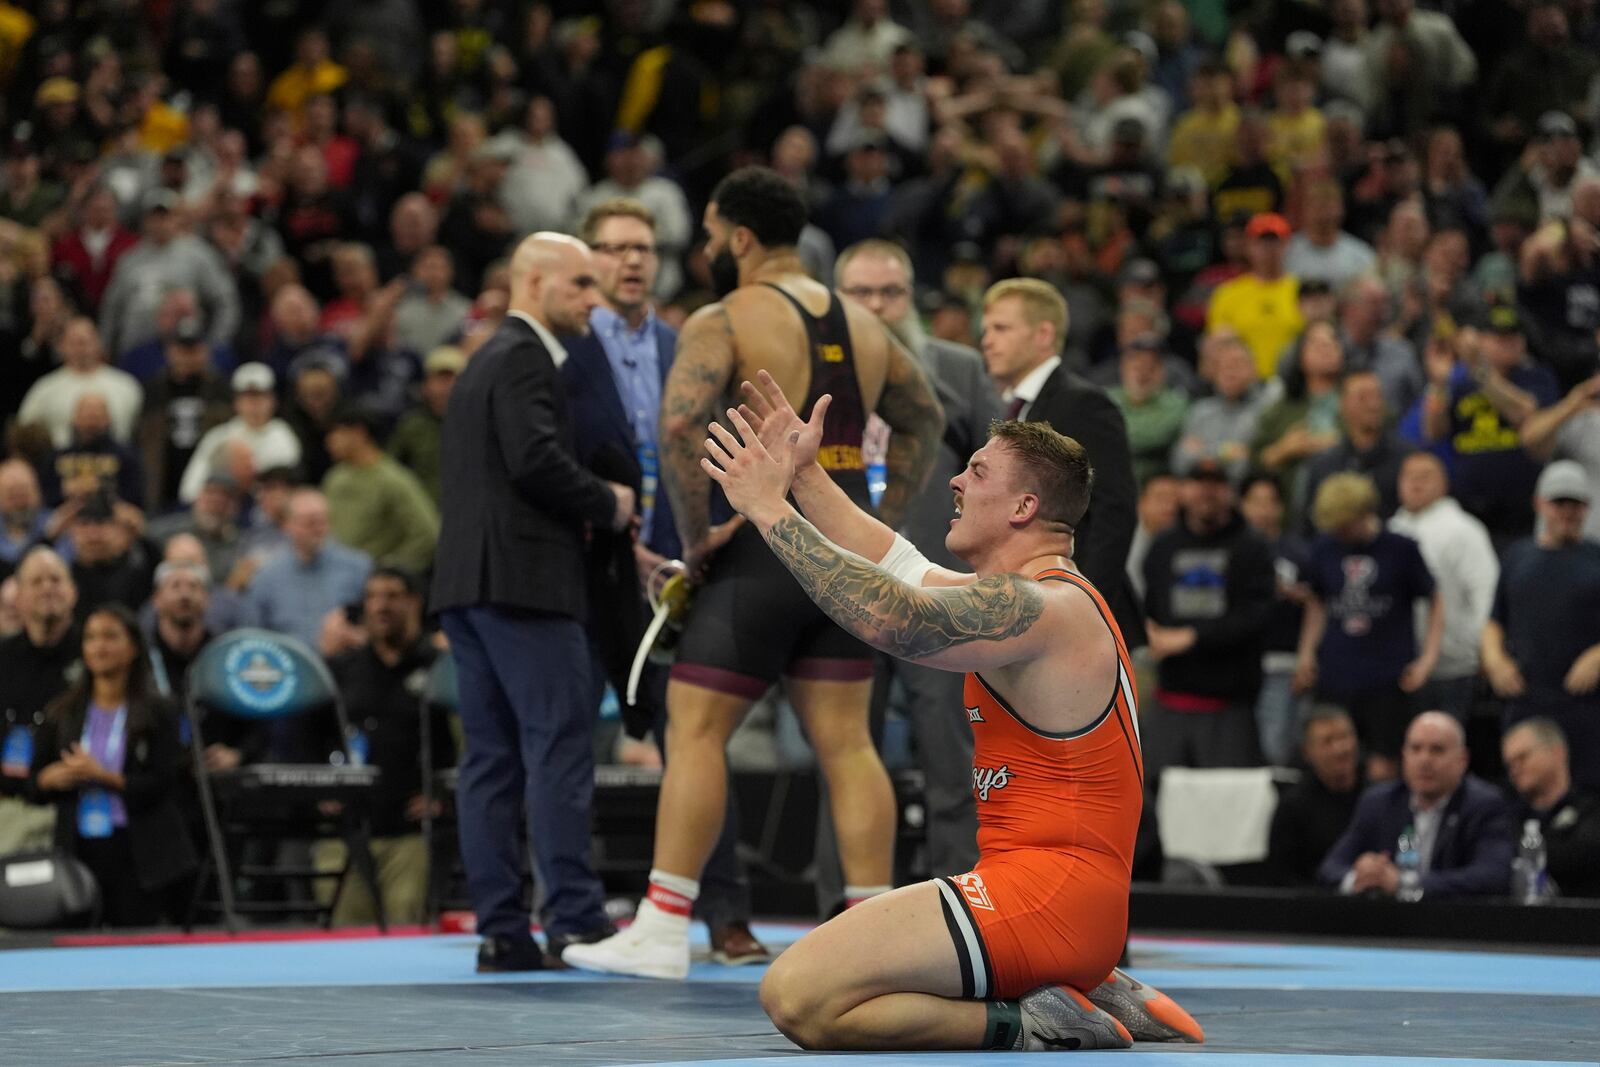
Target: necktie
(1014,409)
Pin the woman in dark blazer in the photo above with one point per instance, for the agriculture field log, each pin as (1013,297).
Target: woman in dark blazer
(108,757)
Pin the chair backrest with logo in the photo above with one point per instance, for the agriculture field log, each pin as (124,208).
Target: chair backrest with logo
(272,678)
(260,674)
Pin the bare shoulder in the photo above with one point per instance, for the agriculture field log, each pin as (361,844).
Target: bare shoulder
(712,317)
(1064,684)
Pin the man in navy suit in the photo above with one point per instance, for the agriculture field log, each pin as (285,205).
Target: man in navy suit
(1457,824)
(508,583)
(613,382)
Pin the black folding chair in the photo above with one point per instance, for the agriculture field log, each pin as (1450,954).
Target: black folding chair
(276,680)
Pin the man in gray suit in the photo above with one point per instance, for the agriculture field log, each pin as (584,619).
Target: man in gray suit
(878,274)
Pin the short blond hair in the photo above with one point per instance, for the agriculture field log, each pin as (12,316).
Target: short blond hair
(1343,499)
(625,207)
(1041,302)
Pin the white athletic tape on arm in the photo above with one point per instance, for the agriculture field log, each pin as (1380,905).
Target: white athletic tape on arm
(905,562)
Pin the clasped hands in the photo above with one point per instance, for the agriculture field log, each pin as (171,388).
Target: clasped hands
(1375,871)
(76,767)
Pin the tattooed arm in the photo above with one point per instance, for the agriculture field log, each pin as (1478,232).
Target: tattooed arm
(979,626)
(695,385)
(917,421)
(783,433)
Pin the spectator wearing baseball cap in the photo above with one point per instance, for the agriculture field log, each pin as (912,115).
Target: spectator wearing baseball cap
(253,432)
(1152,408)
(183,400)
(1570,430)
(1263,304)
(1545,186)
(1209,585)
(1477,405)
(1541,646)
(27,197)
(415,442)
(374,504)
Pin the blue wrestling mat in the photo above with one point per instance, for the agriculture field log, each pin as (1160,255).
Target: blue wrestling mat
(414,1002)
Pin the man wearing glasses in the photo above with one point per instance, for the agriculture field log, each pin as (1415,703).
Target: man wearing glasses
(878,275)
(613,380)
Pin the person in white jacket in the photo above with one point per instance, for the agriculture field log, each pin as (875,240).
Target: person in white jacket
(270,440)
(1456,548)
(52,399)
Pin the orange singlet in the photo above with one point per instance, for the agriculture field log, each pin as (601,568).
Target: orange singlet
(1057,815)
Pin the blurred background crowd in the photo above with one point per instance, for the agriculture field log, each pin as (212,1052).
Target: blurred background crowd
(1337,262)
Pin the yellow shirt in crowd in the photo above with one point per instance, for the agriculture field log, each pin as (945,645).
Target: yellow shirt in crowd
(1205,139)
(1266,315)
(1295,142)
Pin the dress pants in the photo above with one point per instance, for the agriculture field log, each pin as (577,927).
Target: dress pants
(529,726)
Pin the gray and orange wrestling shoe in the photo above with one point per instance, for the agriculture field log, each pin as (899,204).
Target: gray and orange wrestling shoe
(1058,1018)
(1148,1013)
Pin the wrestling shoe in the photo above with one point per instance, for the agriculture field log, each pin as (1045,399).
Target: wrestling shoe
(643,949)
(1148,1013)
(1058,1018)
(500,955)
(733,945)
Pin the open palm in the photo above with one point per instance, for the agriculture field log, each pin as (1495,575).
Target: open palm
(778,426)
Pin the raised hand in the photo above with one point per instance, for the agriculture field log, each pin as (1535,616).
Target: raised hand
(755,481)
(778,426)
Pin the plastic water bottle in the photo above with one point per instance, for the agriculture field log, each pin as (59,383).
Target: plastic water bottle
(1529,882)
(1409,861)
(877,480)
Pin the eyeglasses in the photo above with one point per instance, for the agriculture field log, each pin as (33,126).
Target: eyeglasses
(622,251)
(865,293)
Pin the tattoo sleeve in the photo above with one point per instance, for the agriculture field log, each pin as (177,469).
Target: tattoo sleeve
(890,615)
(694,391)
(913,413)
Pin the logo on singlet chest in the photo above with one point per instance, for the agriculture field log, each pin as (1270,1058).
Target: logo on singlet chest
(985,779)
(974,715)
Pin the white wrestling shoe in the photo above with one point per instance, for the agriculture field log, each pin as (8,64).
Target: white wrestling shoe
(1058,1018)
(1148,1013)
(643,949)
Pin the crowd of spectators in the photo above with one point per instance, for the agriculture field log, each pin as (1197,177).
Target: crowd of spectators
(1338,268)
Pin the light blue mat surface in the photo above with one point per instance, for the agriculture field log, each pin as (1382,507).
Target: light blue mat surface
(1169,964)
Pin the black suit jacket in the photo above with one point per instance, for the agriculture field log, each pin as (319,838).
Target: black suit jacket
(152,771)
(600,428)
(1081,410)
(1471,852)
(605,444)
(515,499)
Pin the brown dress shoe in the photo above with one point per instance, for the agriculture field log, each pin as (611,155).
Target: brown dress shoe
(733,945)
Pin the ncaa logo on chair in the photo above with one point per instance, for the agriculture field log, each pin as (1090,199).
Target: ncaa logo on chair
(261,676)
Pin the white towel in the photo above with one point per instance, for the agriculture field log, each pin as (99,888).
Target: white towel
(1220,816)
